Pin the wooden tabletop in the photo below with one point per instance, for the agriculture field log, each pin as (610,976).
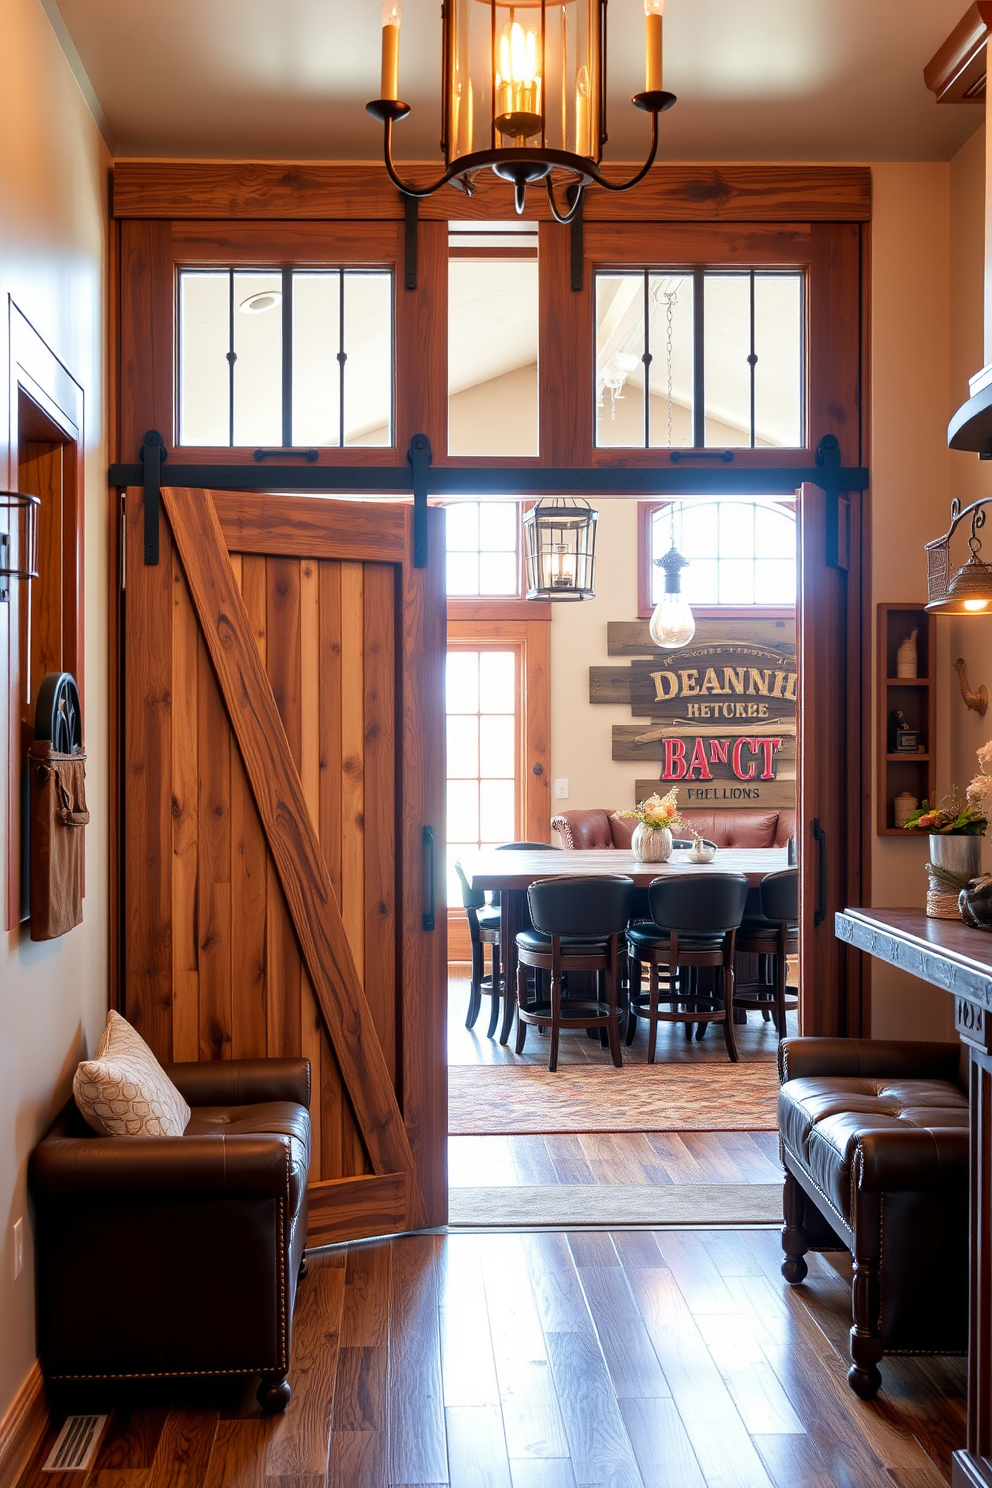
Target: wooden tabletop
(519,869)
(945,952)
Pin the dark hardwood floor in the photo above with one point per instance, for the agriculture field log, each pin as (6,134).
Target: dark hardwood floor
(614,1158)
(589,1360)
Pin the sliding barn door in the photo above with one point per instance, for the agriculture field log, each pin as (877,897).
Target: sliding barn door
(284,759)
(829,769)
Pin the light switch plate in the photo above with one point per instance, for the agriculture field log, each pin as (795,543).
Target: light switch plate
(561,790)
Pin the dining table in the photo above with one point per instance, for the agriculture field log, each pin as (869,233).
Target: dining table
(510,872)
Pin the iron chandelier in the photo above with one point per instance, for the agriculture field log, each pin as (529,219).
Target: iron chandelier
(523,92)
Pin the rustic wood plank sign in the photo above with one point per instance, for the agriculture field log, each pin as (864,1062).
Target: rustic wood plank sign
(719,715)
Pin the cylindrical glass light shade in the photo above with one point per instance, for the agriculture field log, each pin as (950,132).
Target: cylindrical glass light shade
(560,550)
(525,74)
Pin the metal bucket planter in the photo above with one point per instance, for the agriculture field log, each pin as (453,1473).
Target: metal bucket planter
(960,858)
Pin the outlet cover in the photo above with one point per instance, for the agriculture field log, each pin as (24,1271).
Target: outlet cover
(561,790)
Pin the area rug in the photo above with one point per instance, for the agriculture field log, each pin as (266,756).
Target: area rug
(500,1100)
(617,1204)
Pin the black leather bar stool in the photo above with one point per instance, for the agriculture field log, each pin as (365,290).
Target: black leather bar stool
(577,925)
(773,936)
(695,918)
(509,999)
(483,929)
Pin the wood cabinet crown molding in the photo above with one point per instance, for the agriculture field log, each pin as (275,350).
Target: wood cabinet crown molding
(956,71)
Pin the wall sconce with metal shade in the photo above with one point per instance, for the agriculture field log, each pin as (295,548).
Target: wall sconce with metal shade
(969,590)
(523,92)
(560,549)
(26,530)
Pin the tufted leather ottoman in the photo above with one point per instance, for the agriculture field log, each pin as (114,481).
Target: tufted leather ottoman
(874,1140)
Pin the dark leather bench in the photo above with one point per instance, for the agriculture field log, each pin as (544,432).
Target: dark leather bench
(160,1257)
(874,1140)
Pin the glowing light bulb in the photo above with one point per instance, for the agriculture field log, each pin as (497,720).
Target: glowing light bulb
(653,12)
(390,79)
(672,624)
(518,80)
(976,604)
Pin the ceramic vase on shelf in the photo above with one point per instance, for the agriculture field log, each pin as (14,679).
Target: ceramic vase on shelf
(907,657)
(651,844)
(960,857)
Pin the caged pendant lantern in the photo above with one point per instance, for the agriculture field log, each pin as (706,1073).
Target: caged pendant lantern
(969,590)
(560,549)
(523,93)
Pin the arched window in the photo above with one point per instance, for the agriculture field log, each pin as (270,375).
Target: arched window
(742,553)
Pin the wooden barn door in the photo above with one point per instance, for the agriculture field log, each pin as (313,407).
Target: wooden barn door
(283,756)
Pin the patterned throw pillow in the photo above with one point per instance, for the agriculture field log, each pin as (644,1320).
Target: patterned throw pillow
(123,1091)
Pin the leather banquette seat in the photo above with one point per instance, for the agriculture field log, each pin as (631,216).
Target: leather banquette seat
(598,827)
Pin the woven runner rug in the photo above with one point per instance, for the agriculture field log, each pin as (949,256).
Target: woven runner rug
(500,1100)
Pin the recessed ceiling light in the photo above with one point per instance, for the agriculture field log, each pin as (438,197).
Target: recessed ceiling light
(257,304)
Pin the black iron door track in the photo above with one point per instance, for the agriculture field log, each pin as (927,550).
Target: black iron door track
(417,476)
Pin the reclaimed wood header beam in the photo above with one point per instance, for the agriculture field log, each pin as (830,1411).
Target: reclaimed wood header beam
(301,190)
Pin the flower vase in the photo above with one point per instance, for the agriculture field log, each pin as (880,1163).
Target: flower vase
(959,855)
(651,844)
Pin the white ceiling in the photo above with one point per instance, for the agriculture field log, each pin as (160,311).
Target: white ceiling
(757,79)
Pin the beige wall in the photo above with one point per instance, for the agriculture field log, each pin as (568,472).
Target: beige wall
(53,996)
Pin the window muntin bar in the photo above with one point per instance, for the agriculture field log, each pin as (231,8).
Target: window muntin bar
(286,357)
(701,358)
(740,552)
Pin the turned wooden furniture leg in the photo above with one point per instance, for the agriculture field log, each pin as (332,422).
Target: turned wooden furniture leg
(866,1306)
(794,1241)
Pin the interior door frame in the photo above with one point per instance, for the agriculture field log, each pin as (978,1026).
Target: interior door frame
(166,210)
(531,641)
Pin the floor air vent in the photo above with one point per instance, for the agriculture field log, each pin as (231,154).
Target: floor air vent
(75,1444)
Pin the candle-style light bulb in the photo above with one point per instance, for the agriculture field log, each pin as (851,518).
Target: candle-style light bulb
(390,82)
(653,12)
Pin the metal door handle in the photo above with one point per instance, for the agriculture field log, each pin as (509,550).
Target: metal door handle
(820,837)
(431,866)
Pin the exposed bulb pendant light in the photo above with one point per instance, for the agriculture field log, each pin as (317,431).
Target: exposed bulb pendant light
(672,624)
(524,93)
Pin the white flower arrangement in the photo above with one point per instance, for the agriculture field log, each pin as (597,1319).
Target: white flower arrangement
(979,792)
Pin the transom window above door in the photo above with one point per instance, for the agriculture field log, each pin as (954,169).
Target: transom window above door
(740,553)
(700,359)
(285,357)
(483,543)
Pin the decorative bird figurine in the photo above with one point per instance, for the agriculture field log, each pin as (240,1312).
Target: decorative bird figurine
(978,700)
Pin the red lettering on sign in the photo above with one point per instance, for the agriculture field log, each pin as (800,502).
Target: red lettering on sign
(698,762)
(719,750)
(768,749)
(736,762)
(674,760)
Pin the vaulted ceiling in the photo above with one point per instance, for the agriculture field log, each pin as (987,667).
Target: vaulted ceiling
(757,79)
